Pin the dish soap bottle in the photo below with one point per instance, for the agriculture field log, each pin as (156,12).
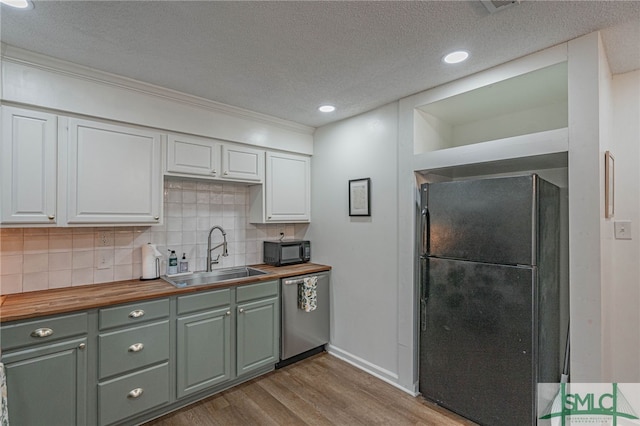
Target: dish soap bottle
(172,265)
(184,264)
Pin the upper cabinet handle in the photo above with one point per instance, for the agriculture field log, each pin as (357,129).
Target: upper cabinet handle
(136,314)
(42,332)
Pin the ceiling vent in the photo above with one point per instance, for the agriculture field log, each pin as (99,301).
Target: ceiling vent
(494,6)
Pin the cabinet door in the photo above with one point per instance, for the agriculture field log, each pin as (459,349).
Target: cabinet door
(193,156)
(204,350)
(29,156)
(47,385)
(258,334)
(288,193)
(242,163)
(114,174)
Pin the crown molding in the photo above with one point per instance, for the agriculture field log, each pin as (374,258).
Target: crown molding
(37,60)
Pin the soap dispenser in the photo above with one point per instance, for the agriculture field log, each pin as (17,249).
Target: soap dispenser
(172,265)
(184,264)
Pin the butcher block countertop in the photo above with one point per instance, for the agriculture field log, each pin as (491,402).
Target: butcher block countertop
(49,302)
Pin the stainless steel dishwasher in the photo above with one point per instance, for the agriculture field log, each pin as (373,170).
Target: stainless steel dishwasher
(303,333)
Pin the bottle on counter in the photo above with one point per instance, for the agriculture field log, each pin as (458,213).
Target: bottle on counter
(184,264)
(172,265)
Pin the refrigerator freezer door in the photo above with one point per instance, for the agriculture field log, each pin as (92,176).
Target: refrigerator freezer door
(486,220)
(476,351)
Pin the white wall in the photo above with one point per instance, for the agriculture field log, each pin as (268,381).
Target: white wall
(361,250)
(624,297)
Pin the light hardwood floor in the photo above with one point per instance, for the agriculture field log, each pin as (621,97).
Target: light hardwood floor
(321,390)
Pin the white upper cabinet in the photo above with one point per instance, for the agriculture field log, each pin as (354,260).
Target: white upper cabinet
(114,174)
(242,163)
(214,159)
(286,194)
(28,152)
(191,155)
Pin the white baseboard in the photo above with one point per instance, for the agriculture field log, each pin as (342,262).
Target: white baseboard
(368,367)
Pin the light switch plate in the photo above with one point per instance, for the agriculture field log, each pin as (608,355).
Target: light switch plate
(622,229)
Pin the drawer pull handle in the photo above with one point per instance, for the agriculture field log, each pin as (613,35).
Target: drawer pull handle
(136,314)
(42,332)
(135,393)
(136,347)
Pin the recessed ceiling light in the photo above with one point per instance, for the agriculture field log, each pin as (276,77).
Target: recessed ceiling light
(456,57)
(18,4)
(327,108)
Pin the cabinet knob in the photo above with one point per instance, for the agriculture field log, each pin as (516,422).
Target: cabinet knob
(136,347)
(136,314)
(156,217)
(81,346)
(228,313)
(241,310)
(41,332)
(51,217)
(226,172)
(135,393)
(214,171)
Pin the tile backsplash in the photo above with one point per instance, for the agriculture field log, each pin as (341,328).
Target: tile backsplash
(42,258)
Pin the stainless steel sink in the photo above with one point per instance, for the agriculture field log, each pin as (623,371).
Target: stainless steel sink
(216,276)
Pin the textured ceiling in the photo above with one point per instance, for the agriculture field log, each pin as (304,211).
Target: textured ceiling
(287,58)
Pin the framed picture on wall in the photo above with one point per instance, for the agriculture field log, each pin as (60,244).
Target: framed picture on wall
(360,197)
(609,185)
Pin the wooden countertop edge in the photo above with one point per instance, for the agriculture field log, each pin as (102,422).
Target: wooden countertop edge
(35,304)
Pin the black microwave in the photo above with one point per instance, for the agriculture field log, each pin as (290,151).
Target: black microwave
(286,252)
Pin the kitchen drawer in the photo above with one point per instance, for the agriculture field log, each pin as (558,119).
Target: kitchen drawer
(132,348)
(49,329)
(256,291)
(132,394)
(133,313)
(203,300)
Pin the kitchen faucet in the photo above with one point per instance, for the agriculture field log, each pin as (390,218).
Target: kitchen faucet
(210,249)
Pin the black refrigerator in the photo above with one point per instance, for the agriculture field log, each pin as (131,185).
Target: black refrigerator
(489,298)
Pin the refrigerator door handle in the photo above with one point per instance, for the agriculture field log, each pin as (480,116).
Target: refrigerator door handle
(424,292)
(424,231)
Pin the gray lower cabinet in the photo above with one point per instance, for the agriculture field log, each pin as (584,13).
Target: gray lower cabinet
(46,371)
(257,334)
(133,359)
(133,393)
(213,336)
(124,364)
(204,350)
